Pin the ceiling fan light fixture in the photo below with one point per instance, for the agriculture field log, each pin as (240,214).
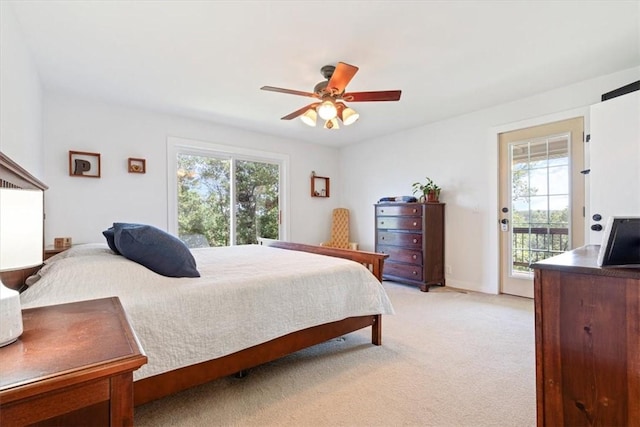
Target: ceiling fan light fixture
(327,110)
(349,116)
(329,97)
(309,117)
(332,124)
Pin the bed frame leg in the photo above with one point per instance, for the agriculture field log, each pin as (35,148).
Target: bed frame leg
(240,374)
(376,330)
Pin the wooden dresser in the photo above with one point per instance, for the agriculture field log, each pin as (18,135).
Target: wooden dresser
(587,323)
(72,366)
(412,234)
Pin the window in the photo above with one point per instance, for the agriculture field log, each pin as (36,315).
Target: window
(221,196)
(540,200)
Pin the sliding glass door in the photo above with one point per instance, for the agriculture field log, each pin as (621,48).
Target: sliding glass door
(225,199)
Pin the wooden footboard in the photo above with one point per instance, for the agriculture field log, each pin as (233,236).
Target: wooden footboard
(372,260)
(158,386)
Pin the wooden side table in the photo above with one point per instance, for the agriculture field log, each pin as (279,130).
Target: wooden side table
(51,250)
(73,365)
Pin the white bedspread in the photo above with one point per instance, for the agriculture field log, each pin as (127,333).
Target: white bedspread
(246,295)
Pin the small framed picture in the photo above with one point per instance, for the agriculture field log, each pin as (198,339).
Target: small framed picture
(83,164)
(137,165)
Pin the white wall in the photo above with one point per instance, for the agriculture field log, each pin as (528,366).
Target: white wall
(82,207)
(20,97)
(461,155)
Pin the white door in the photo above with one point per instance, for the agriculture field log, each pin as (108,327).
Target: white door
(614,161)
(541,199)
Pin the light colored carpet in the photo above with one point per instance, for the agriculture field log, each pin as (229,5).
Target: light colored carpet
(448,358)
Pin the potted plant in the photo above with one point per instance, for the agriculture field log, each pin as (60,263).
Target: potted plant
(429,190)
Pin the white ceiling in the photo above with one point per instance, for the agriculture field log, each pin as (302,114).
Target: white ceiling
(208,59)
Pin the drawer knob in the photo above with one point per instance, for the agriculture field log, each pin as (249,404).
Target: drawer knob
(414,257)
(415,273)
(415,240)
(382,237)
(381,222)
(415,223)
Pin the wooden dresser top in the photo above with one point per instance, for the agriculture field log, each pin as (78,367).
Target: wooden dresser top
(584,260)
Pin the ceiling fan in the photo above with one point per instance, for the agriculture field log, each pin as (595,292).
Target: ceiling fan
(330,94)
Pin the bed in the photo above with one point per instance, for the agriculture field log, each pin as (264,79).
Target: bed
(195,330)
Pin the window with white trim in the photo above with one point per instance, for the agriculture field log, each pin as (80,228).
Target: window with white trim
(222,195)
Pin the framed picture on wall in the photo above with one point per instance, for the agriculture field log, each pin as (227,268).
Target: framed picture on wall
(83,164)
(137,165)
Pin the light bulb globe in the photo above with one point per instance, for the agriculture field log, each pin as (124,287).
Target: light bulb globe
(327,110)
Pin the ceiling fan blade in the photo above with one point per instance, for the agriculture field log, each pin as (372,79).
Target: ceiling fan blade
(300,111)
(289,91)
(341,77)
(386,95)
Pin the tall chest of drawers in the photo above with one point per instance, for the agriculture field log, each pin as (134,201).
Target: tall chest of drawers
(412,234)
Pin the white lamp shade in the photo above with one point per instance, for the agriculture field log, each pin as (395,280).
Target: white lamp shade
(21,241)
(349,116)
(21,228)
(309,117)
(327,110)
(21,238)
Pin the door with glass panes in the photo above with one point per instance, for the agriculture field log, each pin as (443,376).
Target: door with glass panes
(541,199)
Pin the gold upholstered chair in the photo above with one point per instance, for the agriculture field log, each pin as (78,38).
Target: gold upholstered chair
(340,231)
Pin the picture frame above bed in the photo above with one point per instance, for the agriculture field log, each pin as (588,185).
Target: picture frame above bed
(84,164)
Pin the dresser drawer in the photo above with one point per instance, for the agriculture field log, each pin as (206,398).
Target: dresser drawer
(408,210)
(408,240)
(399,223)
(401,255)
(406,271)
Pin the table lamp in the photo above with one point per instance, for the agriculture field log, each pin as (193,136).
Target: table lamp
(21,243)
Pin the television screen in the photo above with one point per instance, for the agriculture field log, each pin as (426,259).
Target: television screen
(620,243)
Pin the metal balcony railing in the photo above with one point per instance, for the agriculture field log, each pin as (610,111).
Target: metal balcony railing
(534,244)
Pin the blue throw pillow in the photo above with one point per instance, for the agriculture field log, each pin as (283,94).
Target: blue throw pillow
(157,250)
(110,235)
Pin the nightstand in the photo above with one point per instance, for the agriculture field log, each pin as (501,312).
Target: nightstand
(50,251)
(73,365)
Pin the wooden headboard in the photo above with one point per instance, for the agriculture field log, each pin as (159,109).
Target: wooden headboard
(13,175)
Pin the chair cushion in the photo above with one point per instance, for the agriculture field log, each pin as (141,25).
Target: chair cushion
(340,228)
